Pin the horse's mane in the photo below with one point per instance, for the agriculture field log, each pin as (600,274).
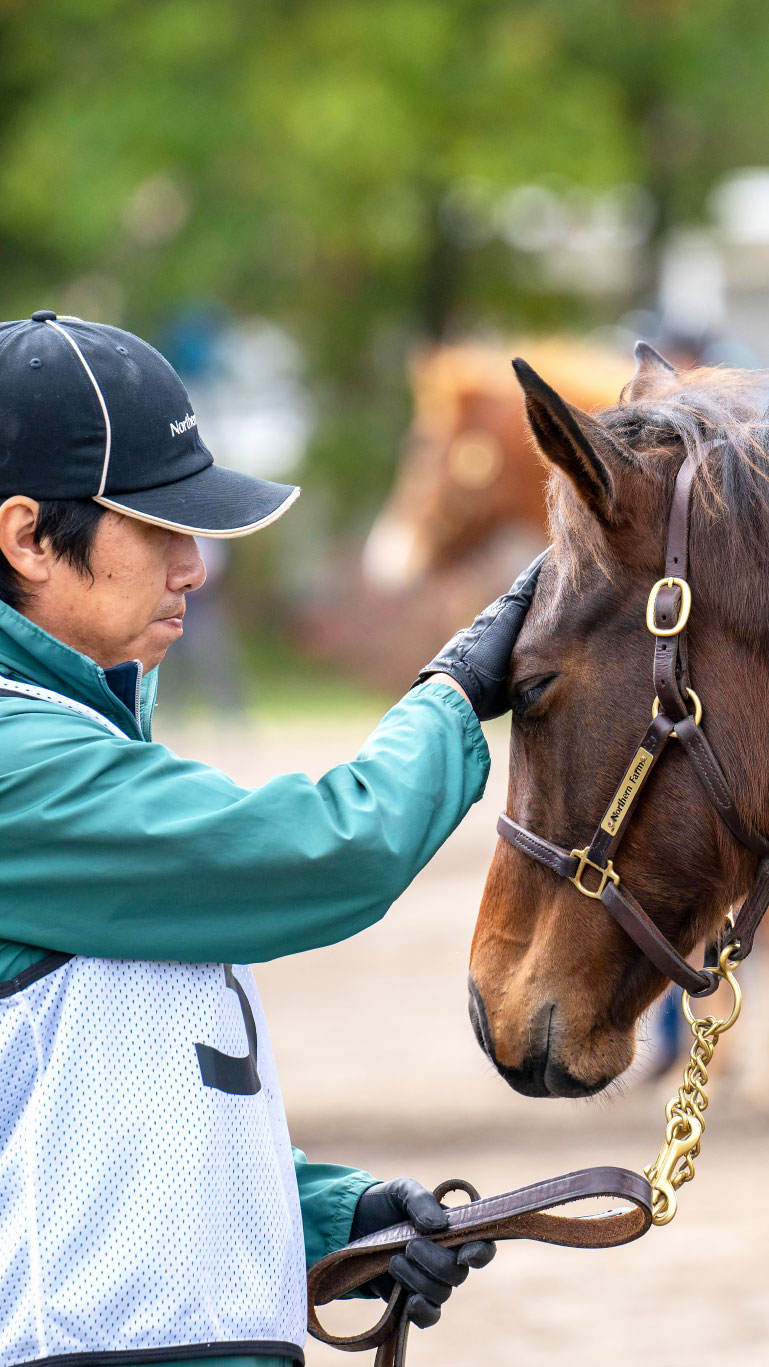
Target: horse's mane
(718,415)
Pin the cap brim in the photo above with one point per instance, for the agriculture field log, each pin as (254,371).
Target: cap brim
(213,502)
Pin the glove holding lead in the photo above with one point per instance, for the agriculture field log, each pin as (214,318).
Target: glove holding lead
(478,656)
(428,1271)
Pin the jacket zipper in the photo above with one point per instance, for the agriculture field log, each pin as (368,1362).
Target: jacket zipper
(137,695)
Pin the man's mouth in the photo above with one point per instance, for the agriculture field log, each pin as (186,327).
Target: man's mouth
(173,621)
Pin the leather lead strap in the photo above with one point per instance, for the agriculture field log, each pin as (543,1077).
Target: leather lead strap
(522,1214)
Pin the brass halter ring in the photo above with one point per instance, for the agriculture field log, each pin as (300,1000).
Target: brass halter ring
(725,971)
(690,693)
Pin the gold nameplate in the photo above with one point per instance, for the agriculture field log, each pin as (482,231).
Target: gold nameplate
(622,801)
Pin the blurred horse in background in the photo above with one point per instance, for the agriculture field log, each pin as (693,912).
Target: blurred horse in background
(466,511)
(467,470)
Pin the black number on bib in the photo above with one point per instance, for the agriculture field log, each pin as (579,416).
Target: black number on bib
(226,1072)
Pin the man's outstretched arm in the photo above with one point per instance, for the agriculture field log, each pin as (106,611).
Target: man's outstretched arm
(120,849)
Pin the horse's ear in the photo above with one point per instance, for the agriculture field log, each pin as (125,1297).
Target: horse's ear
(571,439)
(650,368)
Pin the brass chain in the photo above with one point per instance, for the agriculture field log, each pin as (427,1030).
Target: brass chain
(684,1113)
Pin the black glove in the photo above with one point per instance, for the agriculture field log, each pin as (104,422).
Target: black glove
(478,657)
(427,1271)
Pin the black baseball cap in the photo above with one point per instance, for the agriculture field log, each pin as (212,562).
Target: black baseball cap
(90,411)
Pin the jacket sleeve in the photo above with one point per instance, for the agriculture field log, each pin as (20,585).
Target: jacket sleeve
(116,848)
(328,1195)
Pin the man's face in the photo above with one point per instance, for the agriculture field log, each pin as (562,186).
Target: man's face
(133,607)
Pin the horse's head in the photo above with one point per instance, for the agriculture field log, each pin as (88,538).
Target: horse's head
(556,985)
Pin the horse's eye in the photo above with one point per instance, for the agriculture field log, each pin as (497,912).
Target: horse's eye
(528,693)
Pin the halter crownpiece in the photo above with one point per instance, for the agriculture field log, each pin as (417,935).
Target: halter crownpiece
(667,614)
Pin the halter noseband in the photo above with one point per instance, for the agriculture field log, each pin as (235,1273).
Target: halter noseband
(666,616)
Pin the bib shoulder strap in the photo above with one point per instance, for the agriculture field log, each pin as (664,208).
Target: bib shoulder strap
(10,688)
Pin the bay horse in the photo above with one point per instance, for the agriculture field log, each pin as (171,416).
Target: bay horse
(467,471)
(556,986)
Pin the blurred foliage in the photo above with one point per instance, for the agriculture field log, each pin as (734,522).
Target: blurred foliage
(324,162)
(282,683)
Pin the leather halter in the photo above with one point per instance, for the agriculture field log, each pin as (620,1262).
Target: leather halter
(666,617)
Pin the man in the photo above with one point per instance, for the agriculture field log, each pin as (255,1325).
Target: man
(151,1208)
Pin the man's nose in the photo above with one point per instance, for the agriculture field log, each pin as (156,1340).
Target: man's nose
(187,571)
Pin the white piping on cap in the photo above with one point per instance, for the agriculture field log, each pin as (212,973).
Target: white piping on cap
(203,531)
(99,395)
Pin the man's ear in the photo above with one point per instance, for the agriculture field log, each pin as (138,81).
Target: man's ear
(650,369)
(18,519)
(583,448)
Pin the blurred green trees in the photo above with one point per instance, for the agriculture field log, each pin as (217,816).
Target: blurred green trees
(335,164)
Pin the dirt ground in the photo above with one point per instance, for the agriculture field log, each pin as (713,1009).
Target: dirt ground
(380,1069)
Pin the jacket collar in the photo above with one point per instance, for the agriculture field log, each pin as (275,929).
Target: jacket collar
(31,655)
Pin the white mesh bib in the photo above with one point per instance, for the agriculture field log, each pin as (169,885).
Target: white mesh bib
(148,1201)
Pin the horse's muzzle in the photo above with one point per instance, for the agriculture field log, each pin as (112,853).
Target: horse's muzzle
(538,1074)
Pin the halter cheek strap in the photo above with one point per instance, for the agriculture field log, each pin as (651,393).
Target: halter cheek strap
(667,615)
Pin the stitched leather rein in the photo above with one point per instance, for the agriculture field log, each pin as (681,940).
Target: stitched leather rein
(519,1214)
(667,614)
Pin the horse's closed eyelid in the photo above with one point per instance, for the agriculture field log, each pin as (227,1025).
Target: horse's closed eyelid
(526,685)
(529,692)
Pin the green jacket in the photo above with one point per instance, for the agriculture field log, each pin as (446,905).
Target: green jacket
(116,848)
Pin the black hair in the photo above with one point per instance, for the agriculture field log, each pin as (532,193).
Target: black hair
(69,524)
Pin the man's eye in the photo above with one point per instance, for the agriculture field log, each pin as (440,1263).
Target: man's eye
(528,693)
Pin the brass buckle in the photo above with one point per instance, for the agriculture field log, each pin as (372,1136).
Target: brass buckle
(686,607)
(690,693)
(606,873)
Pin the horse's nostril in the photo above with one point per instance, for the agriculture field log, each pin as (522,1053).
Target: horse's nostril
(472,1011)
(478,1019)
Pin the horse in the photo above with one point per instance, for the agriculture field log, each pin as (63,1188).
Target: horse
(556,985)
(467,469)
